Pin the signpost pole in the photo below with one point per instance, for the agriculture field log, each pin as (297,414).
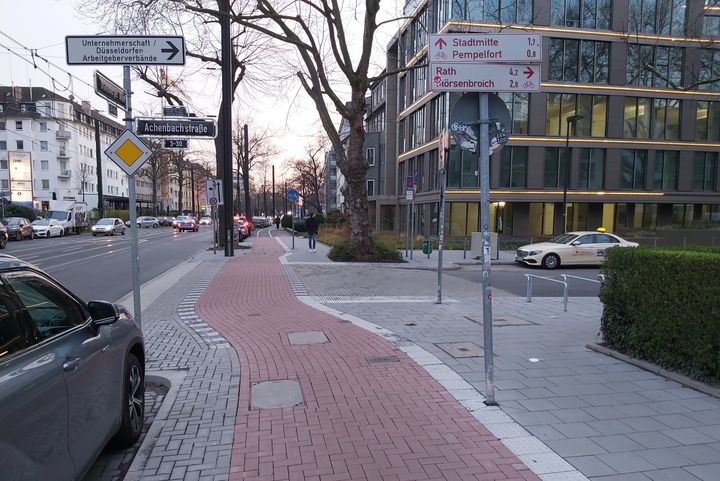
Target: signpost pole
(407,229)
(441,233)
(484,161)
(134,257)
(293,225)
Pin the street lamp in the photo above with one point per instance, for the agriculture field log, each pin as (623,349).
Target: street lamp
(572,120)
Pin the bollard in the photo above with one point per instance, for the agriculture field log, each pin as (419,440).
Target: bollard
(465,247)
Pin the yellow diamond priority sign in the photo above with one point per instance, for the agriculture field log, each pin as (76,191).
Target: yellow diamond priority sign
(128,152)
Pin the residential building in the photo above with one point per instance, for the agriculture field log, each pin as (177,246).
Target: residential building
(645,76)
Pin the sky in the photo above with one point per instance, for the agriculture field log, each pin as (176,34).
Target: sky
(43,24)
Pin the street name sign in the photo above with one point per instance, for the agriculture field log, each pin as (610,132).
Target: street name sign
(129,152)
(125,50)
(175,111)
(175,144)
(177,127)
(484,77)
(110,91)
(474,48)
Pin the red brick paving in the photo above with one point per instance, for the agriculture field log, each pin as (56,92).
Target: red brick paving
(359,421)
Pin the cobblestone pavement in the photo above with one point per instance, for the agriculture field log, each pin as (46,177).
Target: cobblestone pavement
(368,411)
(610,420)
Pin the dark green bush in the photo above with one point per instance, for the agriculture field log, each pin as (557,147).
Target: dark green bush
(663,305)
(337,219)
(349,251)
(17,210)
(120,214)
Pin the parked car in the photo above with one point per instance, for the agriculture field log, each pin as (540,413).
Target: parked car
(585,247)
(165,220)
(146,221)
(108,226)
(71,376)
(47,228)
(243,232)
(187,223)
(205,220)
(3,236)
(19,228)
(177,220)
(261,222)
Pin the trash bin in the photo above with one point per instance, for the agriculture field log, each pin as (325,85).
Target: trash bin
(427,247)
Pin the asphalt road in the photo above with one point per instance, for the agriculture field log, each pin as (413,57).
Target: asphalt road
(512,279)
(99,267)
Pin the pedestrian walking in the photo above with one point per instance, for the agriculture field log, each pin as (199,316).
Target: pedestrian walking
(277,221)
(312,229)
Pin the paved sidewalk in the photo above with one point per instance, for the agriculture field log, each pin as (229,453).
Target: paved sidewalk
(369,411)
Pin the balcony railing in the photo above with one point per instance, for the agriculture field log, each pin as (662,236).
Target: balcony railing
(62,135)
(63,154)
(65,173)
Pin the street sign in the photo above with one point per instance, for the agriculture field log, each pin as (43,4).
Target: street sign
(129,152)
(178,128)
(484,77)
(175,143)
(293,195)
(125,50)
(409,187)
(213,191)
(175,111)
(485,48)
(110,91)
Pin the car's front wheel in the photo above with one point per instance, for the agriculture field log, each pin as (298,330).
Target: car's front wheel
(122,232)
(3,241)
(551,261)
(133,406)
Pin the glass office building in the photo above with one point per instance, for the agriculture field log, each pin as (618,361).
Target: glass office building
(644,75)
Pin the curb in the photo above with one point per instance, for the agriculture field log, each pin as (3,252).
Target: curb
(681,379)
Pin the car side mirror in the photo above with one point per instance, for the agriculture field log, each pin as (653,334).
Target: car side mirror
(103,313)
(575,243)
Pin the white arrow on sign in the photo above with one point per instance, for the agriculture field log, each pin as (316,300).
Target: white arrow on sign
(447,77)
(125,50)
(485,48)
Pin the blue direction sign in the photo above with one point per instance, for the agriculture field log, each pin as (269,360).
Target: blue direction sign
(293,195)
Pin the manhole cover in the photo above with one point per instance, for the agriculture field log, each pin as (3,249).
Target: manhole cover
(276,394)
(307,337)
(461,349)
(382,359)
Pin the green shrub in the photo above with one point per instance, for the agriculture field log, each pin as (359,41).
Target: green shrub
(17,210)
(120,214)
(663,305)
(337,219)
(287,222)
(350,251)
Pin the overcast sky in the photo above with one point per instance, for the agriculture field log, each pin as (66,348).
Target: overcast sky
(43,25)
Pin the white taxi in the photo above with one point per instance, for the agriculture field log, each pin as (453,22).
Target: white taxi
(572,248)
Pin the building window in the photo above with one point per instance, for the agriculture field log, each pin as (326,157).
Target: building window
(508,11)
(656,118)
(19,144)
(420,75)
(370,156)
(5,184)
(652,66)
(3,164)
(370,187)
(707,115)
(663,17)
(666,170)
(2,125)
(711,25)
(591,168)
(44,165)
(401,136)
(438,119)
(3,145)
(574,60)
(43,126)
(709,70)
(417,128)
(555,165)
(593,108)
(18,125)
(45,184)
(704,171)
(433,170)
(43,145)
(2,108)
(581,13)
(517,104)
(633,169)
(513,167)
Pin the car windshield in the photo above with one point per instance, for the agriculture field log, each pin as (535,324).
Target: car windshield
(563,239)
(180,218)
(41,222)
(105,221)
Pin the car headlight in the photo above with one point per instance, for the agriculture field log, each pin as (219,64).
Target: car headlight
(534,253)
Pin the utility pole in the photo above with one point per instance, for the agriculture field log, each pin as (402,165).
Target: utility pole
(227,81)
(98,161)
(274,212)
(192,187)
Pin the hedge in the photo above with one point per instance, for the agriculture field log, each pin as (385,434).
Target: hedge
(663,306)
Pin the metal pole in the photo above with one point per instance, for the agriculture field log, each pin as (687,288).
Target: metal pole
(566,181)
(407,229)
(134,256)
(98,161)
(484,158)
(293,225)
(441,233)
(412,225)
(215,229)
(227,81)
(274,212)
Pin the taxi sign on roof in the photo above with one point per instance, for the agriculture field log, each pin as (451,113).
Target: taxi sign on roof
(129,152)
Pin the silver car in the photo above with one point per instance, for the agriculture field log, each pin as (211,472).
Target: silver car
(108,226)
(71,377)
(146,221)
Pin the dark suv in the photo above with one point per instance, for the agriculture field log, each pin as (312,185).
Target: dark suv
(72,376)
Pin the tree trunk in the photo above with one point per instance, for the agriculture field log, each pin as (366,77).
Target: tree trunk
(180,193)
(355,173)
(246,186)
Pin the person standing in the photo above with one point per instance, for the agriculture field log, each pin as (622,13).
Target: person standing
(277,222)
(312,229)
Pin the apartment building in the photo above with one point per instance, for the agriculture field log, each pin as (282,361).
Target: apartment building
(643,74)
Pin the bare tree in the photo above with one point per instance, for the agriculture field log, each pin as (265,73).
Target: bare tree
(178,167)
(84,176)
(309,173)
(260,149)
(156,170)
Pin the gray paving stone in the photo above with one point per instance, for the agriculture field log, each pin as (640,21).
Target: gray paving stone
(610,426)
(641,424)
(653,439)
(625,462)
(623,477)
(664,458)
(576,430)
(688,436)
(671,474)
(535,404)
(616,443)
(534,418)
(604,412)
(706,472)
(545,432)
(572,415)
(569,402)
(575,447)
(590,466)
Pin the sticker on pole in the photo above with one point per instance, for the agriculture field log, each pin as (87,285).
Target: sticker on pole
(129,152)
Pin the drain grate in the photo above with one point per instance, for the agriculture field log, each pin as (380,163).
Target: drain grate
(461,349)
(382,359)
